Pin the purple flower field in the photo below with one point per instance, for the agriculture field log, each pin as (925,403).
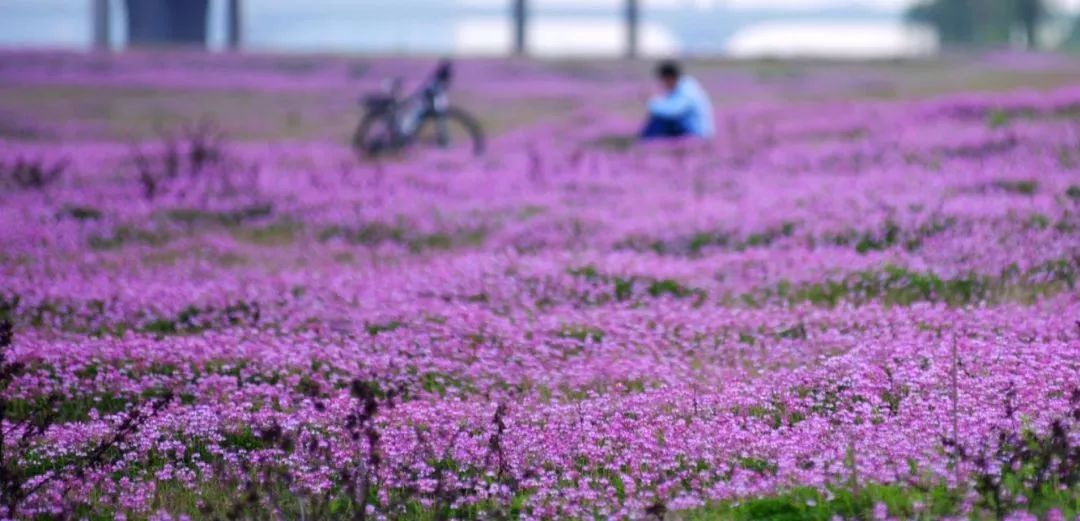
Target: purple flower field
(859,301)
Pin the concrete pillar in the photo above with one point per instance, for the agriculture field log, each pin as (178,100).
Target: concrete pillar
(633,16)
(520,15)
(233,25)
(100,21)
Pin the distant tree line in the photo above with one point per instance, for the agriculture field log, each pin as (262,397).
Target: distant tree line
(973,23)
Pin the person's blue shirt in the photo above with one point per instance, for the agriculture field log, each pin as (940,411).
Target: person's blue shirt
(687,104)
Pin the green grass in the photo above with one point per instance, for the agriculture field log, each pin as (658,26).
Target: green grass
(89,317)
(630,288)
(813,505)
(888,235)
(126,235)
(891,285)
(1023,187)
(192,216)
(375,233)
(216,498)
(278,233)
(894,285)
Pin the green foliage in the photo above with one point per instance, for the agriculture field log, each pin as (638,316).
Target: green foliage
(588,272)
(967,23)
(671,287)
(881,241)
(70,409)
(628,288)
(192,216)
(81,213)
(624,288)
(375,233)
(998,118)
(697,242)
(376,328)
(369,233)
(893,285)
(124,235)
(582,333)
(1023,187)
(245,439)
(1043,469)
(443,384)
(193,319)
(757,465)
(811,504)
(272,234)
(888,235)
(896,285)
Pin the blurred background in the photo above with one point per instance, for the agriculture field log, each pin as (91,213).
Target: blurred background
(549,28)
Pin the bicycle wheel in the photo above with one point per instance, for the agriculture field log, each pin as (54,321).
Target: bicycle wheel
(455,130)
(374,136)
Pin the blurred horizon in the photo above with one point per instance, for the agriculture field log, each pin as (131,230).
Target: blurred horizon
(723,28)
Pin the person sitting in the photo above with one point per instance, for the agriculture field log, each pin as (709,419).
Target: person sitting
(682,109)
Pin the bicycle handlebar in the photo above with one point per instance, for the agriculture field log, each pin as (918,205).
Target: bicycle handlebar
(443,72)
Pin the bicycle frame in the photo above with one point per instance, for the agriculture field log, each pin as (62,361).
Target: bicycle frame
(406,113)
(403,118)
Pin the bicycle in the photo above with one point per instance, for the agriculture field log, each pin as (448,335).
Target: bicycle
(392,123)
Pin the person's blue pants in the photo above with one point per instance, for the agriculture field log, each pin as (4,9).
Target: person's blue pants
(661,127)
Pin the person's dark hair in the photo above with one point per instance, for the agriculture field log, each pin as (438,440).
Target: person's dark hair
(668,69)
